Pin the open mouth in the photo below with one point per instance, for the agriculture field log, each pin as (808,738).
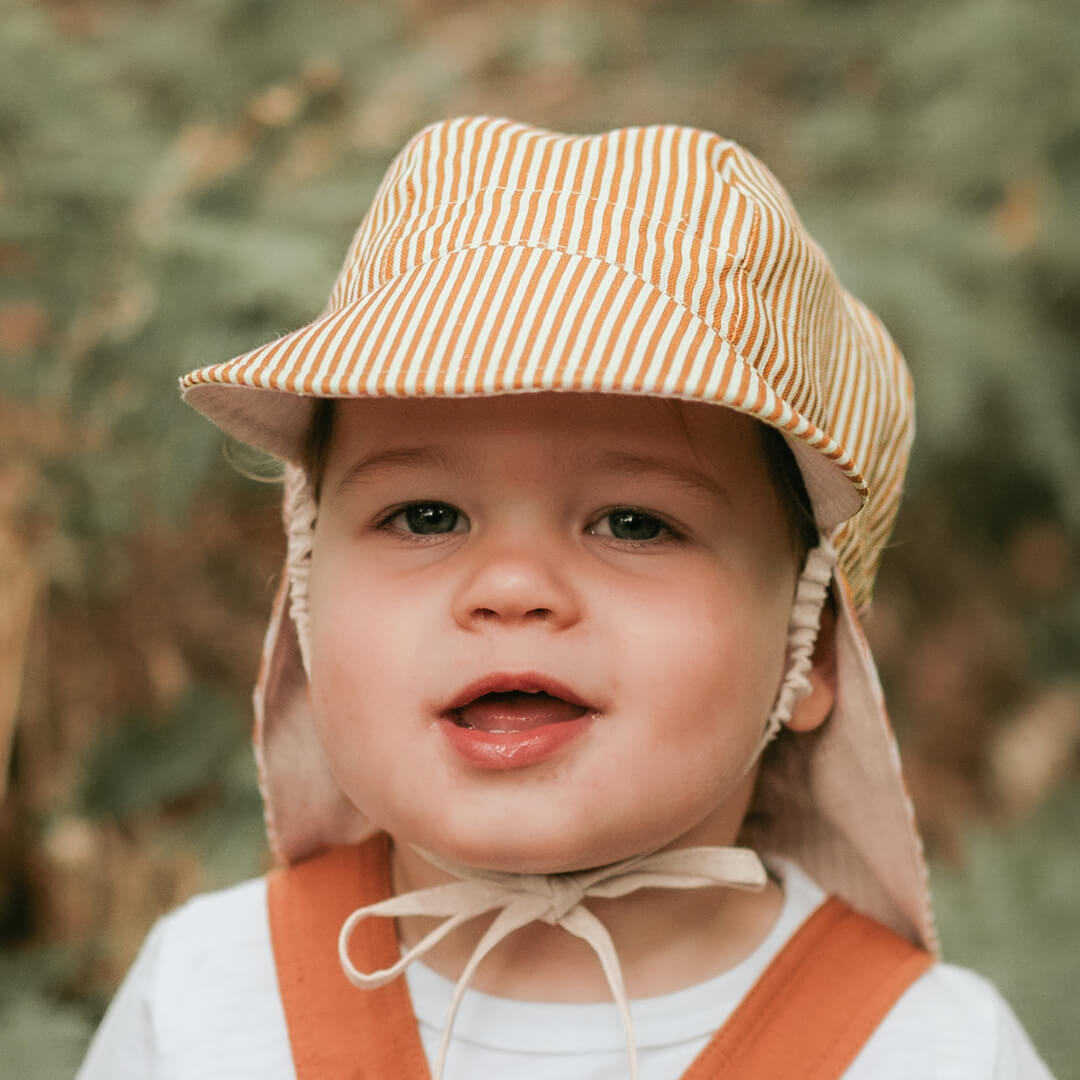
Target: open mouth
(510,704)
(511,711)
(513,721)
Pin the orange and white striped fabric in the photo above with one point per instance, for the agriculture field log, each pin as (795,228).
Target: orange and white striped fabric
(498,258)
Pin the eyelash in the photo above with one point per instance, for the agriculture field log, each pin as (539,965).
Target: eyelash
(667,532)
(386,521)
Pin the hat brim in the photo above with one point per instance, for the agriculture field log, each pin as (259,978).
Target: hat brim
(409,338)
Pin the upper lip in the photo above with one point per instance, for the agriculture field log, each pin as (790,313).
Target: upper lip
(522,682)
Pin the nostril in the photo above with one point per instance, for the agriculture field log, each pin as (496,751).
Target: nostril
(484,613)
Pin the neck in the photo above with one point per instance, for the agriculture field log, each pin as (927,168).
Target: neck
(666,939)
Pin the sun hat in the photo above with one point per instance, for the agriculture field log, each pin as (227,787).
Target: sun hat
(500,258)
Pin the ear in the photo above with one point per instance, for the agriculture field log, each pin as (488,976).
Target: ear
(810,711)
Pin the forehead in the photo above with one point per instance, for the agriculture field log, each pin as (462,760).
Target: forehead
(564,428)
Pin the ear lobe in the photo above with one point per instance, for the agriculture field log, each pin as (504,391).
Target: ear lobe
(811,711)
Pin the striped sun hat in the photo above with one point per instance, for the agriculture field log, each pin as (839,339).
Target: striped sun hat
(498,258)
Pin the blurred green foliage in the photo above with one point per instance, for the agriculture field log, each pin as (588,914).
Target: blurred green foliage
(1010,913)
(128,774)
(178,181)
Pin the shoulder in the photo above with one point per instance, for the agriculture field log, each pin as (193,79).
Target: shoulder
(221,934)
(950,1023)
(201,999)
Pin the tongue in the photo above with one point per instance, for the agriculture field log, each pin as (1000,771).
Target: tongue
(516,711)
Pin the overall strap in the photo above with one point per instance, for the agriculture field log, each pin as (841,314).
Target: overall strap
(337,1032)
(816,1004)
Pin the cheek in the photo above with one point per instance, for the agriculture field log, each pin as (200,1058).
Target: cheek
(705,680)
(711,648)
(349,607)
(356,692)
(347,645)
(360,652)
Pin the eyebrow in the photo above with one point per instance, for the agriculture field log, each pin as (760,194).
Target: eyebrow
(623,461)
(402,457)
(616,461)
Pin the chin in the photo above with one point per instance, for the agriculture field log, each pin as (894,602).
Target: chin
(508,855)
(554,852)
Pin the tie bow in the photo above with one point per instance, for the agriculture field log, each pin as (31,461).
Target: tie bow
(564,893)
(556,899)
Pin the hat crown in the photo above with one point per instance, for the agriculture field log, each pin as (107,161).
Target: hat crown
(682,209)
(651,200)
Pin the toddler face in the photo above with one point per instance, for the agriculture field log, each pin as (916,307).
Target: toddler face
(547,629)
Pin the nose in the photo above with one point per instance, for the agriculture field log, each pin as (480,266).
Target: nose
(517,584)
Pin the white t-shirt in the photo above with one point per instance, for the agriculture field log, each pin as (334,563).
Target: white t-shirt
(201,1003)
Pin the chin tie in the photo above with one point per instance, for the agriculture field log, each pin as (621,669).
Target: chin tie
(556,899)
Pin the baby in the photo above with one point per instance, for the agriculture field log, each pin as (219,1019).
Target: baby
(572,750)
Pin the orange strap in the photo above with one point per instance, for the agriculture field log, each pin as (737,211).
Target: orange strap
(807,1016)
(817,1003)
(336,1031)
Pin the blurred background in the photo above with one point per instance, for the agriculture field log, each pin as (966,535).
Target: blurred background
(178,182)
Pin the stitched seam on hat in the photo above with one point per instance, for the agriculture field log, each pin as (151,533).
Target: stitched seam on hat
(738,268)
(667,222)
(392,241)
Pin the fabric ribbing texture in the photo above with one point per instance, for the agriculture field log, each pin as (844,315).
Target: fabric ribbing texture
(500,258)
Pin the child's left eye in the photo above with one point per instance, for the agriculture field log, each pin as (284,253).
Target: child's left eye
(626,523)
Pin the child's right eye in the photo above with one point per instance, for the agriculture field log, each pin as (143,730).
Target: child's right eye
(427,519)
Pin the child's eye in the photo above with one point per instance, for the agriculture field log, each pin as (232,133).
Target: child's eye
(628,524)
(427,519)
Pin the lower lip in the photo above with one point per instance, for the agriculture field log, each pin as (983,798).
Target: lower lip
(513,749)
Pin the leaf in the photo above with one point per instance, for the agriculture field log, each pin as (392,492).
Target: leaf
(144,766)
